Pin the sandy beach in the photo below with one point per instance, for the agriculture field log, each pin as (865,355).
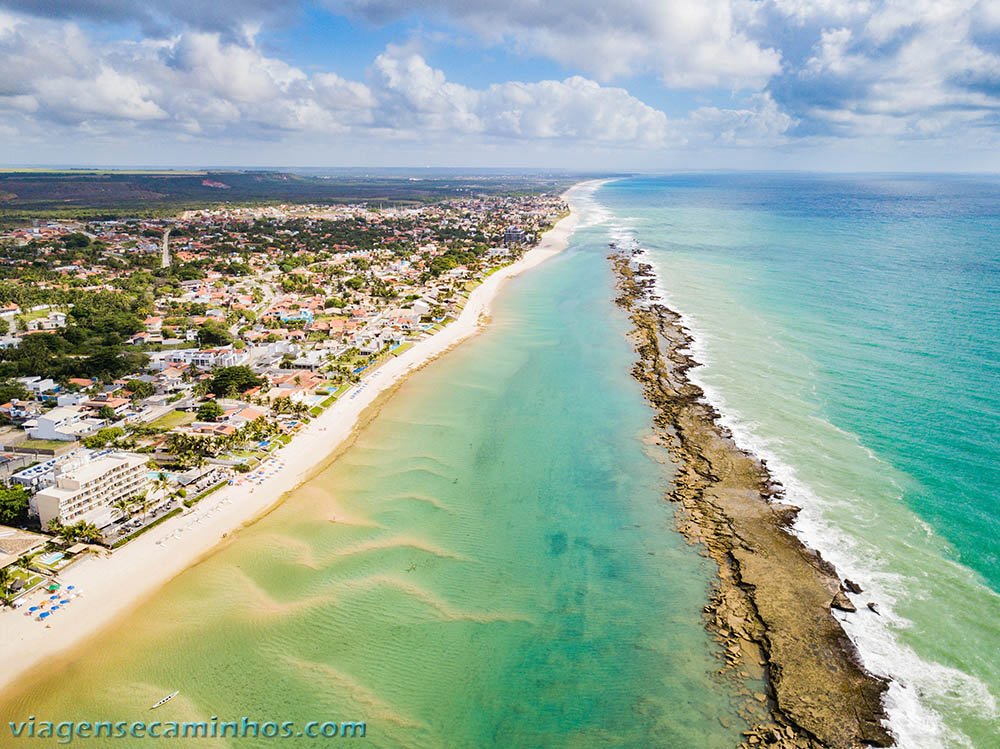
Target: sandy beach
(114,583)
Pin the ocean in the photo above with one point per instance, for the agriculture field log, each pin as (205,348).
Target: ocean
(492,563)
(849,328)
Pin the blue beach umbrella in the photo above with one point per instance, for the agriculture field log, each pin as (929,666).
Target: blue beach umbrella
(52,598)
(65,600)
(54,608)
(70,587)
(34,608)
(44,614)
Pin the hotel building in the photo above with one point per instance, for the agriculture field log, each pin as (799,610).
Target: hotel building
(86,490)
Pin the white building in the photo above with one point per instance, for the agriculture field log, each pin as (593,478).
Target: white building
(54,321)
(37,385)
(86,490)
(201,358)
(64,423)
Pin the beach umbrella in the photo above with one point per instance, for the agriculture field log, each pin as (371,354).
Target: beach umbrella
(34,608)
(64,601)
(54,608)
(70,587)
(44,614)
(52,598)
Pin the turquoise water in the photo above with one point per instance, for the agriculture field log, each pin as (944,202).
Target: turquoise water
(850,330)
(490,564)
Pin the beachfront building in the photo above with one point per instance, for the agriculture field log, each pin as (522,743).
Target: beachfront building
(86,489)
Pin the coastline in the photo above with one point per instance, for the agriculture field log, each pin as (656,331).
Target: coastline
(116,583)
(771,606)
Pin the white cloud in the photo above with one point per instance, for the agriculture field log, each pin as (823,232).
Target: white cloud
(914,69)
(198,85)
(234,72)
(759,123)
(687,44)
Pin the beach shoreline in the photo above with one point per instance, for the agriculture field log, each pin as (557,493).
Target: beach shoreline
(115,583)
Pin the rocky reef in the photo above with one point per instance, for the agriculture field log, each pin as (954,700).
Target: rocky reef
(771,606)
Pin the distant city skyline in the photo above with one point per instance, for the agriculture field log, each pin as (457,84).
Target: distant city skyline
(643,84)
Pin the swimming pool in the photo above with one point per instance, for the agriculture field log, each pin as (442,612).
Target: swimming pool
(51,558)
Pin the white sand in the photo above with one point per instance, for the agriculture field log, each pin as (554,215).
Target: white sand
(113,584)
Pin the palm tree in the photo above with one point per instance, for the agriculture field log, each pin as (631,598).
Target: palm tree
(23,563)
(87,531)
(5,578)
(123,506)
(68,533)
(143,502)
(161,483)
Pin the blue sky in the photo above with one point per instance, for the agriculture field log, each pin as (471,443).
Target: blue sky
(586,84)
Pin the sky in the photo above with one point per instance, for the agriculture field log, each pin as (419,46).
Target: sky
(624,85)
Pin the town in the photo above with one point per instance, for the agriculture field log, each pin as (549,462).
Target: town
(146,363)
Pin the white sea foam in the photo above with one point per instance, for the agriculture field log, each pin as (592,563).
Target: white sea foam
(591,212)
(916,684)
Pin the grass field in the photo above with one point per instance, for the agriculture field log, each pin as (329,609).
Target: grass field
(173,419)
(43,444)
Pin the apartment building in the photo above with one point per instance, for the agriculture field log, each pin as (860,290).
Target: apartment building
(86,490)
(204,359)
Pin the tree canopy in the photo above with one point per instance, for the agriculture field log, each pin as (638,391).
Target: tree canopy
(230,381)
(210,411)
(13,505)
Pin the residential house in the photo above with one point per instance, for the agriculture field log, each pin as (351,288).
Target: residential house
(63,424)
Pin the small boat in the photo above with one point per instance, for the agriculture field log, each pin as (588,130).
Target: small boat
(166,699)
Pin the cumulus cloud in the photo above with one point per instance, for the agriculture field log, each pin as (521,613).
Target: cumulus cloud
(793,70)
(198,84)
(688,44)
(917,69)
(162,17)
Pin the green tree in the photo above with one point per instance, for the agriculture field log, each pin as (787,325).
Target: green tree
(76,240)
(140,388)
(229,381)
(124,507)
(210,411)
(5,580)
(106,412)
(11,389)
(103,437)
(214,333)
(13,505)
(86,532)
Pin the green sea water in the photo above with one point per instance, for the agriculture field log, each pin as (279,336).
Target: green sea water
(490,564)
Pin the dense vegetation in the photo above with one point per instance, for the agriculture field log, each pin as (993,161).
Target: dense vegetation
(112,194)
(91,345)
(231,381)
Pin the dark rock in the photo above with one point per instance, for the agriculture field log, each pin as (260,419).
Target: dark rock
(852,587)
(873,607)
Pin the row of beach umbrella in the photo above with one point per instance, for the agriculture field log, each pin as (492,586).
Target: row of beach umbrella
(54,603)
